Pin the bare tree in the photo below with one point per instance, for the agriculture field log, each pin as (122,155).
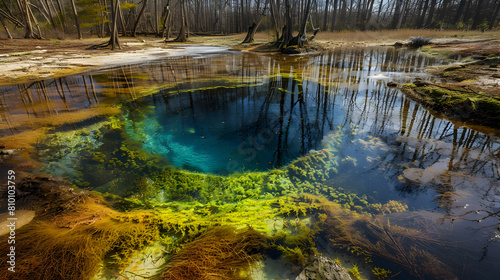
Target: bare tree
(141,12)
(77,21)
(113,40)
(6,29)
(25,14)
(182,32)
(253,27)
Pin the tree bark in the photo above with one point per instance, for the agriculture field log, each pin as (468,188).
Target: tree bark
(302,33)
(11,18)
(397,14)
(334,15)
(286,35)
(273,10)
(49,13)
(251,32)
(141,12)
(77,21)
(28,27)
(6,29)
(421,19)
(39,36)
(252,29)
(113,41)
(157,28)
(379,10)
(166,21)
(122,22)
(431,14)
(461,9)
(325,14)
(182,32)
(477,17)
(495,16)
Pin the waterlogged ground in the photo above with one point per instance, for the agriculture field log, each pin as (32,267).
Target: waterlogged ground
(196,136)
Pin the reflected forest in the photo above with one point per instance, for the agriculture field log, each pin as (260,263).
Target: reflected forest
(249,140)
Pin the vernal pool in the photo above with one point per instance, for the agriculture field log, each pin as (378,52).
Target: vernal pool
(313,147)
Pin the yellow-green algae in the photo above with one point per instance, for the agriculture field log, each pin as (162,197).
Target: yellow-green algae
(79,228)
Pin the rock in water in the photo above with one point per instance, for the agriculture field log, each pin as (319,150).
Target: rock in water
(23,217)
(324,269)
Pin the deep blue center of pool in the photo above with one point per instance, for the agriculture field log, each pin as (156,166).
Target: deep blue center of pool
(236,129)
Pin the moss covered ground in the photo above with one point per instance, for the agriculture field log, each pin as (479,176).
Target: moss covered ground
(458,103)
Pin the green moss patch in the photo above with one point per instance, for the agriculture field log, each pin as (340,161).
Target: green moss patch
(460,104)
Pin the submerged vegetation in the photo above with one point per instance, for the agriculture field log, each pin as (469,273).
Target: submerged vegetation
(80,228)
(220,253)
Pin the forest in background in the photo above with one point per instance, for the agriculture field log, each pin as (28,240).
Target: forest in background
(179,18)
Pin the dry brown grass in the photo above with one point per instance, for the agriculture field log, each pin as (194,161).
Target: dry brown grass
(218,254)
(72,233)
(402,34)
(353,37)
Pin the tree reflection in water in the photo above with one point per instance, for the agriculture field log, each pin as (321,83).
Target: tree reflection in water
(393,148)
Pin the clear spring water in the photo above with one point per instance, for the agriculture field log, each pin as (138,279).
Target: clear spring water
(245,112)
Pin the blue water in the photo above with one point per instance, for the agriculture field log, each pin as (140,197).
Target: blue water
(227,130)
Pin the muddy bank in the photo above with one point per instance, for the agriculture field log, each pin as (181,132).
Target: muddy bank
(24,60)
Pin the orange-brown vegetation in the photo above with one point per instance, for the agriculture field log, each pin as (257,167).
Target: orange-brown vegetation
(219,253)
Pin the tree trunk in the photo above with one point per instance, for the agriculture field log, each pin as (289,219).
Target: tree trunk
(315,30)
(49,13)
(431,14)
(157,28)
(251,32)
(477,17)
(286,35)
(122,22)
(186,20)
(379,9)
(302,33)
(39,36)
(461,9)
(11,18)
(252,29)
(61,14)
(325,14)
(166,20)
(368,14)
(28,27)
(134,32)
(397,14)
(182,32)
(272,6)
(495,16)
(6,29)
(103,19)
(334,15)
(421,19)
(403,12)
(77,21)
(443,10)
(113,40)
